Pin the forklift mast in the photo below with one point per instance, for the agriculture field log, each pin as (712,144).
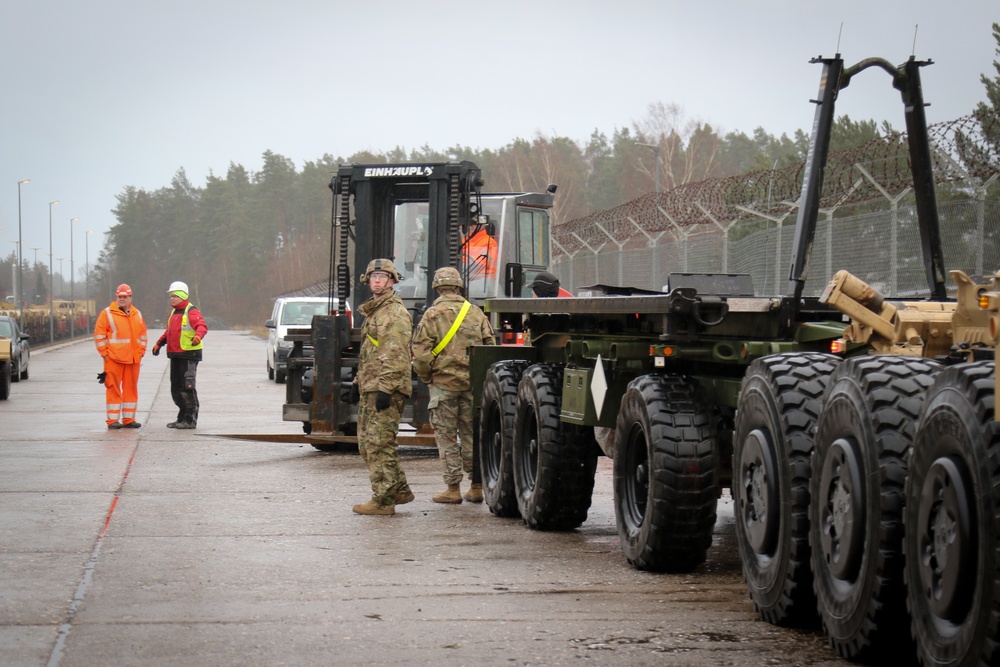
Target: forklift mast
(452,194)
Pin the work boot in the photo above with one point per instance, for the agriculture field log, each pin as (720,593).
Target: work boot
(115,425)
(452,496)
(187,425)
(403,497)
(475,493)
(373,509)
(132,425)
(173,424)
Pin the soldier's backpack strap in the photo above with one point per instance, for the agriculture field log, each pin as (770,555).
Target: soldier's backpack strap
(452,331)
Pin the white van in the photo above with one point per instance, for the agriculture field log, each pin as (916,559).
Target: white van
(293,312)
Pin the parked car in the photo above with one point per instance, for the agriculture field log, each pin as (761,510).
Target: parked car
(20,352)
(292,312)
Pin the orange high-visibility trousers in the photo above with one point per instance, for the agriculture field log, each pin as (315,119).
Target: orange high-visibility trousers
(121,391)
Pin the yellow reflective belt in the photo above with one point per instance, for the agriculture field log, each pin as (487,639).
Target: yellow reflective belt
(452,331)
(374,342)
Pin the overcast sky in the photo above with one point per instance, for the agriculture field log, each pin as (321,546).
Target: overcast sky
(104,94)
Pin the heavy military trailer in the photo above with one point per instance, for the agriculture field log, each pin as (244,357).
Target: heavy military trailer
(855,433)
(664,371)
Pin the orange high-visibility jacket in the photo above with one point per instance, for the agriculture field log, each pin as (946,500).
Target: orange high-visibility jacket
(119,336)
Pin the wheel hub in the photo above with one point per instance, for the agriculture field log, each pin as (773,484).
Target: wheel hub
(842,513)
(642,475)
(946,541)
(759,492)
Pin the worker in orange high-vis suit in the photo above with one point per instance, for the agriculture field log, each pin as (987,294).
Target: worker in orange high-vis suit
(120,336)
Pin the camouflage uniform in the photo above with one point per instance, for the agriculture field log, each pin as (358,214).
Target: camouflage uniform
(447,377)
(383,367)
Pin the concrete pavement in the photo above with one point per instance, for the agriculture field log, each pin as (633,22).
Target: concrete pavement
(164,547)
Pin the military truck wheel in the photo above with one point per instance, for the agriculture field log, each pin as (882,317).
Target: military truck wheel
(4,380)
(779,405)
(951,541)
(665,474)
(496,436)
(859,463)
(553,472)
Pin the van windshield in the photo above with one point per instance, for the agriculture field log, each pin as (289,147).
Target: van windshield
(302,313)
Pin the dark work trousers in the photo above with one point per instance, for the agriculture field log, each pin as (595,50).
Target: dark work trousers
(182,389)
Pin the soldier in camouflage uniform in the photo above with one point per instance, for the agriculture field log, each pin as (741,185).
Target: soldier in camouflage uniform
(441,361)
(383,382)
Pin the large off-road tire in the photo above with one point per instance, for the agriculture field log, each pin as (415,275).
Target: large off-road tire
(779,405)
(496,436)
(952,519)
(553,466)
(665,474)
(4,380)
(859,468)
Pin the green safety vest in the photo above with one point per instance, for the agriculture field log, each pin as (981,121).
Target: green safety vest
(188,333)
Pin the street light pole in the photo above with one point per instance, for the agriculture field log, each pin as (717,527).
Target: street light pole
(52,325)
(86,288)
(656,153)
(34,271)
(20,287)
(72,282)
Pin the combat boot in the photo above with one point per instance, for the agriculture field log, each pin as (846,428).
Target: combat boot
(475,493)
(372,508)
(403,497)
(452,496)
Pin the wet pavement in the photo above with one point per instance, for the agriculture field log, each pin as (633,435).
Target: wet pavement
(164,547)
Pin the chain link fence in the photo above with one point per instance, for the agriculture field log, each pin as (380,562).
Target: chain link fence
(746,224)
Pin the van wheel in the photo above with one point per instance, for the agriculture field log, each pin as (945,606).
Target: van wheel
(270,372)
(279,377)
(4,380)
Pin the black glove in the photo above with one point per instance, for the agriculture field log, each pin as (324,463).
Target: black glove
(355,394)
(101,376)
(156,350)
(382,401)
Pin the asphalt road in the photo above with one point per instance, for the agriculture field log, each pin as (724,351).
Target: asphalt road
(164,547)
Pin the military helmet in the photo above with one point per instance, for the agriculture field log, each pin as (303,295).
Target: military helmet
(385,265)
(446,277)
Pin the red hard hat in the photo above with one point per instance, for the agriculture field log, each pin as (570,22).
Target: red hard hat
(123,290)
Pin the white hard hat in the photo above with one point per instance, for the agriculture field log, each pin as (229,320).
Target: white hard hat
(178,286)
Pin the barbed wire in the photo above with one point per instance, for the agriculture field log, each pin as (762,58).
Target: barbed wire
(961,151)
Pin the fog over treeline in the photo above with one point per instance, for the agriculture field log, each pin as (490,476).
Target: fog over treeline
(246,236)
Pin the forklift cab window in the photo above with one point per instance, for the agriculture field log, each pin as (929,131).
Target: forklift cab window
(410,241)
(533,237)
